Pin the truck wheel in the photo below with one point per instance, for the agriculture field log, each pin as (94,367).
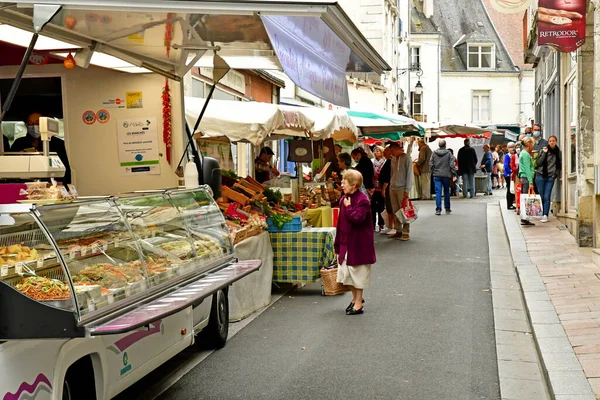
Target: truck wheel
(79,381)
(215,334)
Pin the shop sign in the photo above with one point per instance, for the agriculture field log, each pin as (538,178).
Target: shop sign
(138,146)
(312,55)
(561,24)
(510,6)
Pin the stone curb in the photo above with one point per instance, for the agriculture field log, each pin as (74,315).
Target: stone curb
(559,363)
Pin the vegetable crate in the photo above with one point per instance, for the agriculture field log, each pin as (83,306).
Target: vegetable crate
(295,225)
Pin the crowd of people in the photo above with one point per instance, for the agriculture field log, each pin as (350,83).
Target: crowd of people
(377,188)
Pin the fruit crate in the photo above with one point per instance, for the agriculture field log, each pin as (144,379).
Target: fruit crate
(295,225)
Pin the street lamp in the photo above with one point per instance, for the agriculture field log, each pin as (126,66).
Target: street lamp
(419,88)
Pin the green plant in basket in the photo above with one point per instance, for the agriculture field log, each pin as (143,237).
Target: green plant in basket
(279,220)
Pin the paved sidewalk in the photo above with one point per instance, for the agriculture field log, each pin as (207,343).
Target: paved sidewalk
(562,293)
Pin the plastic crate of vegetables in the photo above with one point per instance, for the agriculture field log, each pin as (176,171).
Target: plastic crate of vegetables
(284,223)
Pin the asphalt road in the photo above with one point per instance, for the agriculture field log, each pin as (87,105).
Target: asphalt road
(427,331)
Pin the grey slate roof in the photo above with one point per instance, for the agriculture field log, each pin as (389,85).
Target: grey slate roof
(455,18)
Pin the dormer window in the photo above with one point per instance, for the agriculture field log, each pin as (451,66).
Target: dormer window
(481,56)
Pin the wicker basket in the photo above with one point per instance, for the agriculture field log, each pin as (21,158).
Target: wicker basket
(330,285)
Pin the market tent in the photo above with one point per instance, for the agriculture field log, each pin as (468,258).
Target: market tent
(327,123)
(462,130)
(380,124)
(239,121)
(255,122)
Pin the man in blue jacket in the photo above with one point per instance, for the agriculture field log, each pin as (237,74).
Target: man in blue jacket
(487,163)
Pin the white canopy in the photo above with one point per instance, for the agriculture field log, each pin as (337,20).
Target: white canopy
(255,122)
(238,121)
(463,129)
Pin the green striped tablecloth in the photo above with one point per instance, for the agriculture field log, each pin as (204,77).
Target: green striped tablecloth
(299,256)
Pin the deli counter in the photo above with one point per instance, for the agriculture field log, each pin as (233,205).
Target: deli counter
(111,265)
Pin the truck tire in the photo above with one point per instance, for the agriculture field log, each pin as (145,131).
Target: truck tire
(79,381)
(215,334)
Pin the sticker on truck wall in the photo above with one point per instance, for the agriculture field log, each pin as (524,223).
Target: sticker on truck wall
(89,117)
(31,391)
(103,116)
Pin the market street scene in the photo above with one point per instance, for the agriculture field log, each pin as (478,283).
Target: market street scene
(267,199)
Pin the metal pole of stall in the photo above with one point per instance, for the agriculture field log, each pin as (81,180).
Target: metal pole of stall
(190,134)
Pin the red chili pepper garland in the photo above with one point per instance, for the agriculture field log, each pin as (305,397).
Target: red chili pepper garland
(166,111)
(169,33)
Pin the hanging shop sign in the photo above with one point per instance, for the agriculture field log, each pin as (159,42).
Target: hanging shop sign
(510,6)
(138,146)
(561,24)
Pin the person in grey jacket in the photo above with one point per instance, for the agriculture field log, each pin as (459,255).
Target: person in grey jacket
(443,169)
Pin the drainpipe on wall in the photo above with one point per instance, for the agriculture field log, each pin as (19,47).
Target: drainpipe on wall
(439,77)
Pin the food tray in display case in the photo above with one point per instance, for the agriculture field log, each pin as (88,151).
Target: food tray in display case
(89,262)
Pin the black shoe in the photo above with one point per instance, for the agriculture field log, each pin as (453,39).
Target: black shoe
(352,305)
(438,212)
(354,311)
(524,222)
(448,211)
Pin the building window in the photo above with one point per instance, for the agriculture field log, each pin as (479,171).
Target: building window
(417,104)
(197,88)
(481,56)
(550,63)
(481,107)
(415,57)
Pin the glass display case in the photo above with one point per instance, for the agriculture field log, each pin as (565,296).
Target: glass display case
(95,259)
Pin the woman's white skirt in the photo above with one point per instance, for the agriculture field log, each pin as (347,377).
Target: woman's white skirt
(359,276)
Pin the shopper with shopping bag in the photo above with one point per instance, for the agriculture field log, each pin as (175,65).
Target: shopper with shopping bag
(526,174)
(354,243)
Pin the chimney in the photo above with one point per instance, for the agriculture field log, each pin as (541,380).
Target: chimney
(428,8)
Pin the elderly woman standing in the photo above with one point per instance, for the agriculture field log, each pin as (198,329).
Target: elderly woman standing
(354,243)
(526,172)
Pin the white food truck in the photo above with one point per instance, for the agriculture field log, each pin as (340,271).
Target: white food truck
(97,292)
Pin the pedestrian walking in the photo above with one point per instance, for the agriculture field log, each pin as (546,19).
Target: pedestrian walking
(443,169)
(495,168)
(377,199)
(454,180)
(547,169)
(467,166)
(526,172)
(354,243)
(384,181)
(400,185)
(424,171)
(507,174)
(487,164)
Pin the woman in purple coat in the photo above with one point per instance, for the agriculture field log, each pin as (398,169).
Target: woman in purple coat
(354,242)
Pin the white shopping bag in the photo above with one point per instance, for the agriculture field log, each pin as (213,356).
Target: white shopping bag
(531,205)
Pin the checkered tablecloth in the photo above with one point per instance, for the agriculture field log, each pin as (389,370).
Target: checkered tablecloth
(299,256)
